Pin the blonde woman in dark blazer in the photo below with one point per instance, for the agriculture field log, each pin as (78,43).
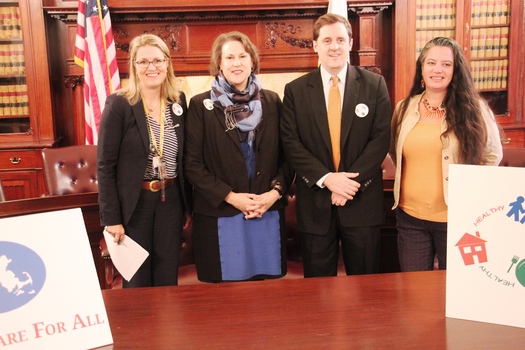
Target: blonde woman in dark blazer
(140,170)
(235,163)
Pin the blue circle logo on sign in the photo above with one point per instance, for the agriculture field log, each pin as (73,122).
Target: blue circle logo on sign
(22,275)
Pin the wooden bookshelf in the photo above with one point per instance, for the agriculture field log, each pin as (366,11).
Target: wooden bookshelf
(491,33)
(26,118)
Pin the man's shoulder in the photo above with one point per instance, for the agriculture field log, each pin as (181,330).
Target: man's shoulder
(304,79)
(365,73)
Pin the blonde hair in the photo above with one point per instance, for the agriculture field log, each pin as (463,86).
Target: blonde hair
(169,88)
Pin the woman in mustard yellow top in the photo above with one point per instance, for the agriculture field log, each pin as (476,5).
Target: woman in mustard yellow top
(442,121)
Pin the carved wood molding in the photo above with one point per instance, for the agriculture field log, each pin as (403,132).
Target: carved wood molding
(156,15)
(143,7)
(369,7)
(171,34)
(285,32)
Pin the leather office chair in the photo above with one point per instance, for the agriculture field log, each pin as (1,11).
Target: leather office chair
(71,169)
(294,259)
(513,157)
(2,195)
(187,269)
(389,170)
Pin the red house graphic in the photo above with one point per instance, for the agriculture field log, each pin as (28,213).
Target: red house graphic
(471,246)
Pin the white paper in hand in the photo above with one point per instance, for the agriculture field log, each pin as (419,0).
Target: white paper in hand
(127,256)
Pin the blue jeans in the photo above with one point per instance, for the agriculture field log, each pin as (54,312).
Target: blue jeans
(418,242)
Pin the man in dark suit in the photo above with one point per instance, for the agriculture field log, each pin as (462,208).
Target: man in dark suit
(344,203)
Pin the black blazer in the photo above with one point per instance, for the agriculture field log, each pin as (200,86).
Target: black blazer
(215,163)
(364,145)
(123,149)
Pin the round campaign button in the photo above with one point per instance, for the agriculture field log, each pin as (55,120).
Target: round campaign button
(177,109)
(208,104)
(361,110)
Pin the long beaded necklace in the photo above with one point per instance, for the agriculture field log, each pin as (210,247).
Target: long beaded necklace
(433,112)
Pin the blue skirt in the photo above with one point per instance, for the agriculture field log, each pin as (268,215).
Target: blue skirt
(249,247)
(236,249)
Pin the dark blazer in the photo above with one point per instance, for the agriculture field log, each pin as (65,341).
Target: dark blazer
(364,145)
(215,163)
(123,148)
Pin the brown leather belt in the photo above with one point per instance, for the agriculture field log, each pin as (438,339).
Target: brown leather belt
(156,185)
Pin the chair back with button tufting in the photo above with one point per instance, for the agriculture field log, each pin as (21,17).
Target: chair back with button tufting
(71,169)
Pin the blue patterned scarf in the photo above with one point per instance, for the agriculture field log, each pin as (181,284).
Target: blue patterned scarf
(242,109)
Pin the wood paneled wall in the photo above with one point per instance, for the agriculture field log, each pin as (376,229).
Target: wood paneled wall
(282,31)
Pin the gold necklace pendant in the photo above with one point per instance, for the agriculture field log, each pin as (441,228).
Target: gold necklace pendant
(154,108)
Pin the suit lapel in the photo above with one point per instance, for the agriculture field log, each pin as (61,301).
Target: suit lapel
(318,104)
(140,117)
(349,103)
(262,125)
(179,130)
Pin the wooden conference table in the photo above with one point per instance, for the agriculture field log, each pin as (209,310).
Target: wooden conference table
(387,311)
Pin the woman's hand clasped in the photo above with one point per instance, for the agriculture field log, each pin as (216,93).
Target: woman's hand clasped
(265,200)
(253,206)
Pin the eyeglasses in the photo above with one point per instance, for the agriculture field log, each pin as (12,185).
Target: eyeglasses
(145,63)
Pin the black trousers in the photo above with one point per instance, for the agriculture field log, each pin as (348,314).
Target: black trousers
(157,227)
(360,246)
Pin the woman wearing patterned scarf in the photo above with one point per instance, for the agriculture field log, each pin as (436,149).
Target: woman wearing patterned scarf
(234,161)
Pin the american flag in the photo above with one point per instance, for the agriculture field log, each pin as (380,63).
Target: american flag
(339,7)
(95,52)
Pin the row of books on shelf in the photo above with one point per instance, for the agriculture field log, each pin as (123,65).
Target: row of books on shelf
(10,25)
(488,12)
(424,36)
(12,59)
(442,13)
(14,100)
(490,74)
(489,42)
(435,13)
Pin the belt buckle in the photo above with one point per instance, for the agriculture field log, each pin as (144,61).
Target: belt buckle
(151,183)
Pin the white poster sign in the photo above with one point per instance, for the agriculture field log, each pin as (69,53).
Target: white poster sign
(50,297)
(486,245)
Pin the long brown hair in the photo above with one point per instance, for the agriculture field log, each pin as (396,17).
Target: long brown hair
(462,103)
